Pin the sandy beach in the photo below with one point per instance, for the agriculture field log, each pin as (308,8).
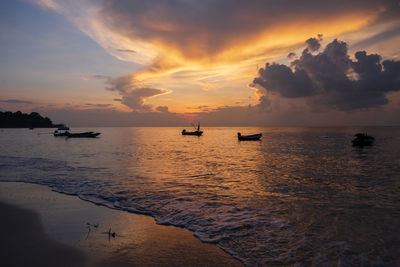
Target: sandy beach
(45,228)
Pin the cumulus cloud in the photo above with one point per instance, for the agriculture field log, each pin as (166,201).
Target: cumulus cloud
(279,78)
(313,44)
(223,37)
(332,79)
(214,40)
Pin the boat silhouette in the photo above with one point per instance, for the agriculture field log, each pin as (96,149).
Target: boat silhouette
(83,135)
(253,137)
(362,140)
(197,132)
(63,131)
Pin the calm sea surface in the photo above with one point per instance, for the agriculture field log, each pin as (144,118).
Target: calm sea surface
(301,195)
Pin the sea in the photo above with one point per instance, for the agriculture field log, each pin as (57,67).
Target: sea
(301,196)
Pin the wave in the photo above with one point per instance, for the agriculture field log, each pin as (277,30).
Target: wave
(255,234)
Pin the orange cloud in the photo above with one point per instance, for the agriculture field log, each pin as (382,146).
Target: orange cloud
(208,45)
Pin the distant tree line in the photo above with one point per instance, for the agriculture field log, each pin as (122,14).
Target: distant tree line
(18,119)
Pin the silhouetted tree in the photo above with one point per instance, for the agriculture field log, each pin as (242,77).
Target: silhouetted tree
(23,120)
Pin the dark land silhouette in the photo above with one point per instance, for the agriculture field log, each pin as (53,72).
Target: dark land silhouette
(18,119)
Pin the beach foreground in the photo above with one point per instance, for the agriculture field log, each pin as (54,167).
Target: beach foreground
(48,228)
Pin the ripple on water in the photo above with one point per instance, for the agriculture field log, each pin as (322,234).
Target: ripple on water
(294,198)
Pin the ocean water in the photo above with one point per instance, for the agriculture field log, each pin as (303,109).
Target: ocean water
(301,196)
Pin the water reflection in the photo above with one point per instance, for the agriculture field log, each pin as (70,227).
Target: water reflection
(301,195)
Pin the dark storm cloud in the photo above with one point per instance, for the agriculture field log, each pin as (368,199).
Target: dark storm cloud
(199,28)
(16,101)
(281,79)
(331,79)
(313,44)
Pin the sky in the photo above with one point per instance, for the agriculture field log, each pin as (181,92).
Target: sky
(221,62)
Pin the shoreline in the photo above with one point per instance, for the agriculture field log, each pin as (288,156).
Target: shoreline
(70,221)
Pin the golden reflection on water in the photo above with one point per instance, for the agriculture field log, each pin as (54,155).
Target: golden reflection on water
(302,194)
(167,157)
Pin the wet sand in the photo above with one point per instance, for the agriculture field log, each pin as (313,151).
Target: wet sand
(24,242)
(45,228)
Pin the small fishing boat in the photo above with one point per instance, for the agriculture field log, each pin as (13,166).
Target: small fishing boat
(253,137)
(82,135)
(61,131)
(197,132)
(362,140)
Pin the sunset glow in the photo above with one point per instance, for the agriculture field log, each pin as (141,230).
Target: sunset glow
(200,132)
(191,62)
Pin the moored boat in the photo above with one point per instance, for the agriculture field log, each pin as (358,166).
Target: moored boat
(83,135)
(253,137)
(197,132)
(61,131)
(362,140)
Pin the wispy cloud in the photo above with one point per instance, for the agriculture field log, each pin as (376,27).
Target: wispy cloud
(210,44)
(16,101)
(98,105)
(126,50)
(162,109)
(133,95)
(376,38)
(218,40)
